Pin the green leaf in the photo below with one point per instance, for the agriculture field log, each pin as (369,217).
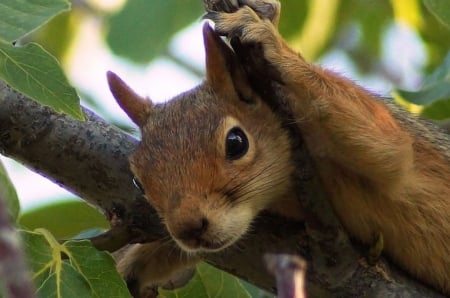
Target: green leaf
(435,87)
(440,74)
(38,251)
(209,282)
(440,110)
(440,9)
(63,219)
(61,34)
(254,291)
(143,29)
(83,272)
(428,95)
(18,17)
(105,282)
(8,193)
(34,72)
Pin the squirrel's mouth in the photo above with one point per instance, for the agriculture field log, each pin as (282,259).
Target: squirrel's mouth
(203,245)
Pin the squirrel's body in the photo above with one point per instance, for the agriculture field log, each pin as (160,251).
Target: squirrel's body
(210,160)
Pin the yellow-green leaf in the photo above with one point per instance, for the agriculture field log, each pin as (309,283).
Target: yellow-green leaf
(440,9)
(439,110)
(73,269)
(8,193)
(18,17)
(436,86)
(34,72)
(64,219)
(97,268)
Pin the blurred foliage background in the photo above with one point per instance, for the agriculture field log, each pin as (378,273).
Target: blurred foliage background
(398,47)
(141,31)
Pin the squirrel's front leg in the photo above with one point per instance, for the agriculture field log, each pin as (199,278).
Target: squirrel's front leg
(145,267)
(342,123)
(385,173)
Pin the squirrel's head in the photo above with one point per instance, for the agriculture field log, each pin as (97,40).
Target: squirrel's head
(211,158)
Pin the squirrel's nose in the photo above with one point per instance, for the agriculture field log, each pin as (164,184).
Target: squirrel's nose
(194,230)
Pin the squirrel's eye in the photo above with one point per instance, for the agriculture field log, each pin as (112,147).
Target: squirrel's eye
(236,144)
(138,185)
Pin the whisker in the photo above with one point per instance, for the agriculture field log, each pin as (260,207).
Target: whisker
(247,182)
(247,191)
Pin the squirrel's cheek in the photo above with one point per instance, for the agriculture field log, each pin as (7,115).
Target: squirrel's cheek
(233,223)
(205,229)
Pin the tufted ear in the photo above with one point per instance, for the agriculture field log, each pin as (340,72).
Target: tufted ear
(138,108)
(223,71)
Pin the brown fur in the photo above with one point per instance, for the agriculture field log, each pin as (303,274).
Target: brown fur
(381,174)
(385,172)
(181,164)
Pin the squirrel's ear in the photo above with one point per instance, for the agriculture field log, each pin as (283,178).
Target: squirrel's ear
(135,106)
(218,58)
(223,71)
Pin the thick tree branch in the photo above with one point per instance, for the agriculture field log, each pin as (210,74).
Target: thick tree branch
(87,158)
(90,159)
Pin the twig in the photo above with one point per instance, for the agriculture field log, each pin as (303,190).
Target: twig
(290,274)
(14,275)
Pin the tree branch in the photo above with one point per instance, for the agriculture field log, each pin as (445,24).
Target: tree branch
(87,158)
(90,159)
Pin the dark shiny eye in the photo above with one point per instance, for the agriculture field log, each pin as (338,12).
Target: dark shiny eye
(138,185)
(236,144)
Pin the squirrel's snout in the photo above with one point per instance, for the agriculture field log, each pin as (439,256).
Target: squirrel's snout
(193,230)
(196,235)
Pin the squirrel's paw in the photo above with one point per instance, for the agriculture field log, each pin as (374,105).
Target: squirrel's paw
(246,25)
(265,9)
(256,40)
(221,5)
(255,37)
(145,267)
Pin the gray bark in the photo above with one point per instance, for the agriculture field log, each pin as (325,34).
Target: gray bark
(90,159)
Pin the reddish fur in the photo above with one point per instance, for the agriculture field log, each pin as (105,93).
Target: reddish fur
(381,174)
(381,177)
(182,165)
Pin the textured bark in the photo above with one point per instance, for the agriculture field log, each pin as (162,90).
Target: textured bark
(90,159)
(87,158)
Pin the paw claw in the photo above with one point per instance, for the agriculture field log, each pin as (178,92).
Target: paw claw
(221,5)
(235,24)
(376,249)
(266,9)
(210,15)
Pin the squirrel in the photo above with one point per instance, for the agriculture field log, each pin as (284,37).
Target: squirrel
(213,157)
